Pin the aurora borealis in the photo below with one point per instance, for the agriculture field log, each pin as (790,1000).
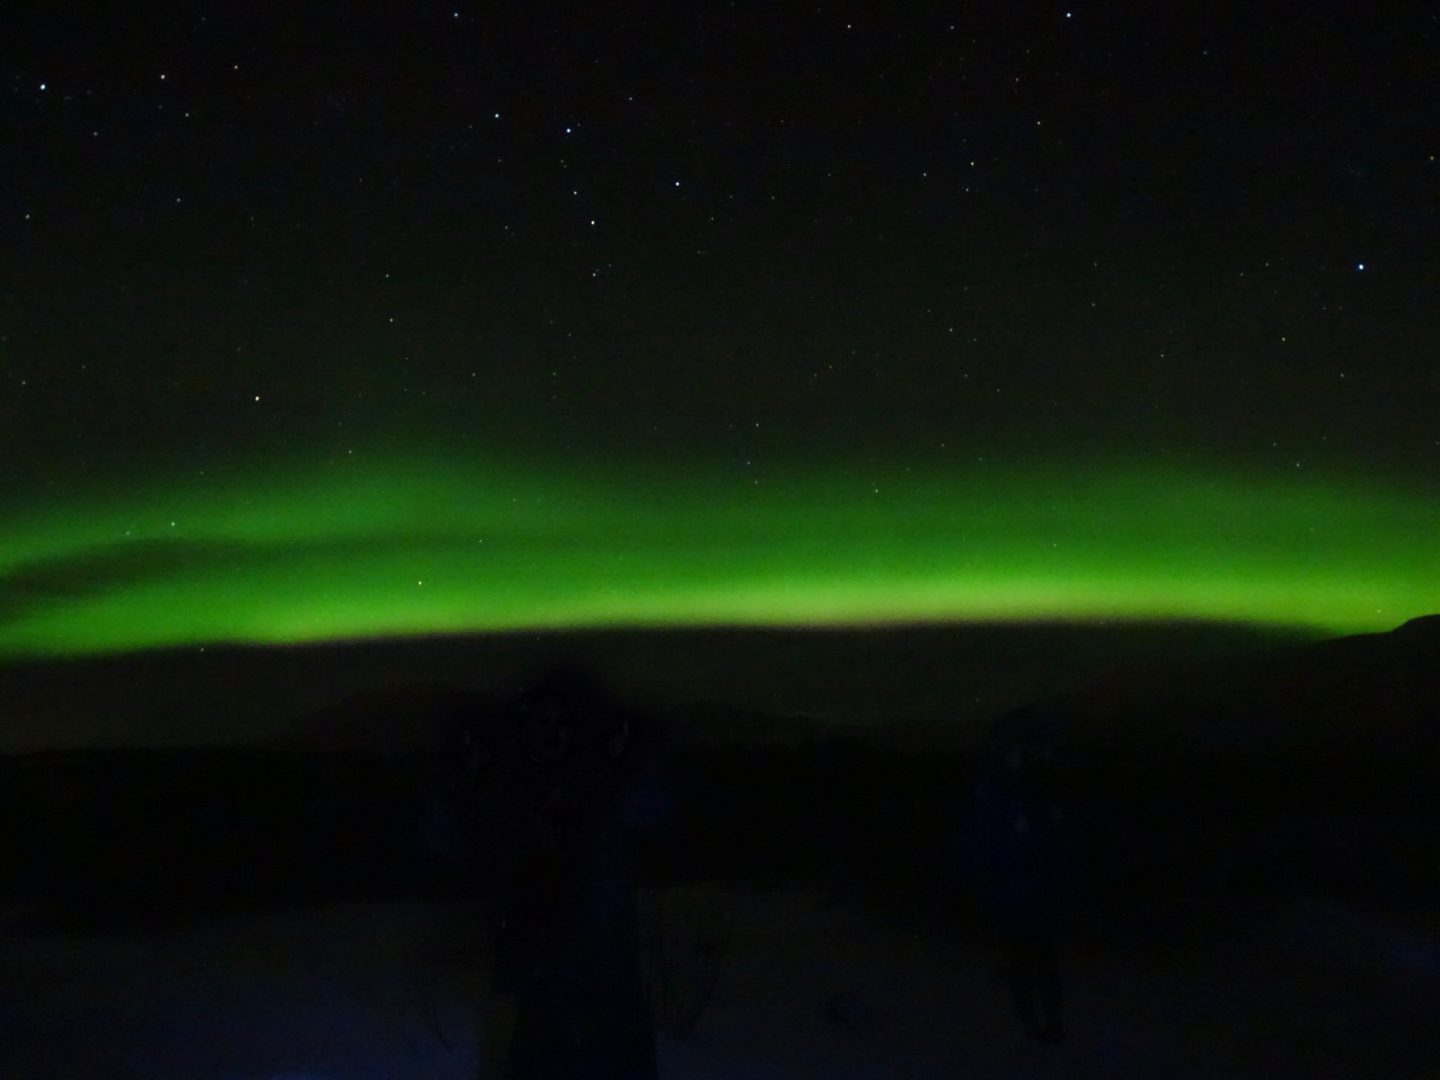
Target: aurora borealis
(424,547)
(342,323)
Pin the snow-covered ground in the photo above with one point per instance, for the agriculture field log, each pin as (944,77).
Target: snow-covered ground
(396,991)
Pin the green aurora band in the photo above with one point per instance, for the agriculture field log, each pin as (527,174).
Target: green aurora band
(433,545)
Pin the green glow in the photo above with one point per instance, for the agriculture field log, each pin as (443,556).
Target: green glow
(435,546)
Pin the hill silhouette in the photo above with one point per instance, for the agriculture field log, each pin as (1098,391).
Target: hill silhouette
(928,681)
(1368,693)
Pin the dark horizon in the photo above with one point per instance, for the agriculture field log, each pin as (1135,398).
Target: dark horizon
(915,677)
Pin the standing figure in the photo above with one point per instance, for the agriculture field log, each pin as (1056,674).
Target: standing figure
(1017,847)
(570,802)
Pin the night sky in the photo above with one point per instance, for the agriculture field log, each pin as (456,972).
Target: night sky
(321,323)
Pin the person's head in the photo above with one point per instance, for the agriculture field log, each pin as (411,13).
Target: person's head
(469,736)
(546,725)
(564,710)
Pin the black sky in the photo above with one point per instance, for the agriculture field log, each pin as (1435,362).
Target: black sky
(1028,229)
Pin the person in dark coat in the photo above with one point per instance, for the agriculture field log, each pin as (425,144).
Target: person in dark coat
(1018,859)
(574,797)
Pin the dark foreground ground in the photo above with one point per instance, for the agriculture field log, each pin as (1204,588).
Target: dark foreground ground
(396,990)
(266,914)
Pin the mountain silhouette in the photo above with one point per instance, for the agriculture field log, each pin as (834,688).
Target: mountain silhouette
(1378,692)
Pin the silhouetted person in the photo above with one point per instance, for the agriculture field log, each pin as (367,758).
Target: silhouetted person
(453,829)
(1018,857)
(572,797)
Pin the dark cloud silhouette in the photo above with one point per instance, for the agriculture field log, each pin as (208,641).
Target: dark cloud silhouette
(36,584)
(94,571)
